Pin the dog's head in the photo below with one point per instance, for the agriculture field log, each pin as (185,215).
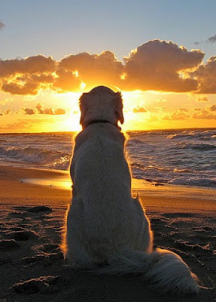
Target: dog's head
(101,103)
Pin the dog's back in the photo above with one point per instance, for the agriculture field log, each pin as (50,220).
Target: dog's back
(102,184)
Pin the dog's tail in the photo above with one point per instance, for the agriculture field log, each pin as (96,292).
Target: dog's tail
(164,269)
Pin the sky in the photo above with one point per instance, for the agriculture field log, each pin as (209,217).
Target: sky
(161,55)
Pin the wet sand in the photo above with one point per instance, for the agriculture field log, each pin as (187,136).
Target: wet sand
(31,224)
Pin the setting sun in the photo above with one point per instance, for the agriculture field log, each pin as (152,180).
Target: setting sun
(165,84)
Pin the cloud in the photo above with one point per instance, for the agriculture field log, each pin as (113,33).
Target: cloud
(179,114)
(204,114)
(205,75)
(39,107)
(1,25)
(49,111)
(95,69)
(26,76)
(8,111)
(156,65)
(29,111)
(60,111)
(139,110)
(211,39)
(202,99)
(66,81)
(32,65)
(183,110)
(46,111)
(27,88)
(212,108)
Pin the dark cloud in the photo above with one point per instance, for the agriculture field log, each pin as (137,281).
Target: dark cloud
(29,111)
(211,39)
(14,88)
(32,65)
(212,108)
(206,75)
(39,107)
(26,76)
(139,110)
(49,111)
(1,25)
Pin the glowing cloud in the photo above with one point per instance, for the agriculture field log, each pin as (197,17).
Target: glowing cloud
(204,114)
(156,65)
(139,109)
(95,69)
(41,110)
(180,114)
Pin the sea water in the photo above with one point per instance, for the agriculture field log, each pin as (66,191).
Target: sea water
(180,157)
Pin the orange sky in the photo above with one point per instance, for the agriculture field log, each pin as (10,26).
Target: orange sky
(164,85)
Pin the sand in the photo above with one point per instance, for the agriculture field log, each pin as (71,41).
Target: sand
(31,223)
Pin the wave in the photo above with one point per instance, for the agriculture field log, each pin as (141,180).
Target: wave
(180,136)
(194,181)
(35,156)
(181,157)
(198,146)
(192,135)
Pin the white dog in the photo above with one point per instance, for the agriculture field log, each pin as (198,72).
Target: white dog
(107,230)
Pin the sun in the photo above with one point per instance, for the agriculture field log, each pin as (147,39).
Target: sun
(72,122)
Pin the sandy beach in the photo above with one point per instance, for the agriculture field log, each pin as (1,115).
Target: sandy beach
(32,220)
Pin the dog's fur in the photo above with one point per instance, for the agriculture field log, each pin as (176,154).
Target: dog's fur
(107,230)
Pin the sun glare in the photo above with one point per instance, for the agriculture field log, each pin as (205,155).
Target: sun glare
(76,73)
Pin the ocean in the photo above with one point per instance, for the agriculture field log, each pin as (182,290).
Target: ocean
(179,157)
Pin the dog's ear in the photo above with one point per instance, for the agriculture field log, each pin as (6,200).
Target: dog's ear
(83,107)
(119,107)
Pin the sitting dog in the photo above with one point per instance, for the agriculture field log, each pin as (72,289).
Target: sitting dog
(107,229)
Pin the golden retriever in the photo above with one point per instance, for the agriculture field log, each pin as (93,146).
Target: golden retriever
(107,229)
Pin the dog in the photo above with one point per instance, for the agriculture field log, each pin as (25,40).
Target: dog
(107,230)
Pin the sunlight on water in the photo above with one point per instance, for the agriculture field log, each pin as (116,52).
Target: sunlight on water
(58,183)
(140,186)
(65,183)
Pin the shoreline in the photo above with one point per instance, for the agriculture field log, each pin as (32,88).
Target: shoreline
(32,222)
(53,187)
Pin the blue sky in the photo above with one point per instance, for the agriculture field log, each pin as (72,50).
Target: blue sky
(58,28)
(165,82)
